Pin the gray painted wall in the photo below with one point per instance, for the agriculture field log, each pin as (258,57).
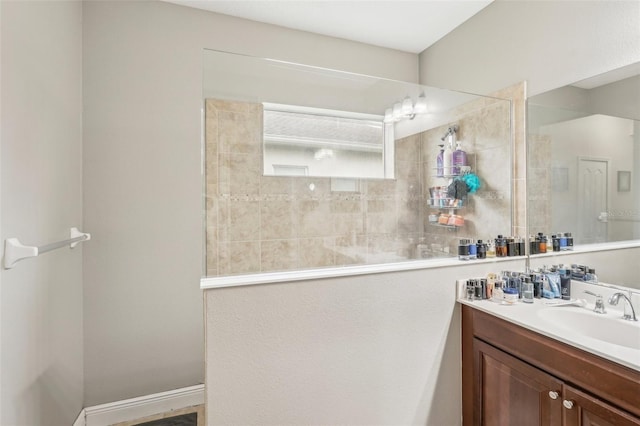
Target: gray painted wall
(548,43)
(142,180)
(41,198)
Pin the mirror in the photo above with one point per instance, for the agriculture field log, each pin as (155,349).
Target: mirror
(584,159)
(287,214)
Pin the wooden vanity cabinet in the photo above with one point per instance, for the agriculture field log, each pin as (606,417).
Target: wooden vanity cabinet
(514,376)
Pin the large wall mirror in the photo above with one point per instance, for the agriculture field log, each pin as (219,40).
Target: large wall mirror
(310,168)
(584,160)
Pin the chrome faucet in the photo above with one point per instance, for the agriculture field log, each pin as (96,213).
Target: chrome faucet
(599,308)
(615,298)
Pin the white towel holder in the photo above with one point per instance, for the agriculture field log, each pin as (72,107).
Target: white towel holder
(15,251)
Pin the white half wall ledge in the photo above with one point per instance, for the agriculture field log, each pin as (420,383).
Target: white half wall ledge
(207,283)
(143,406)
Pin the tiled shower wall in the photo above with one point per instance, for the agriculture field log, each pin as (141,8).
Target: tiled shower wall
(257,223)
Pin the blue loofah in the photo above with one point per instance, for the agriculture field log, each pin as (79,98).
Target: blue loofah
(473,182)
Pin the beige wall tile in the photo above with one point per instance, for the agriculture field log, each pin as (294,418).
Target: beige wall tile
(278,220)
(240,133)
(245,174)
(244,220)
(316,252)
(279,255)
(244,257)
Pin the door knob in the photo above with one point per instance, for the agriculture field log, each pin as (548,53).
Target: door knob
(553,395)
(567,404)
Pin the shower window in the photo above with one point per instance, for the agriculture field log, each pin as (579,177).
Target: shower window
(325,143)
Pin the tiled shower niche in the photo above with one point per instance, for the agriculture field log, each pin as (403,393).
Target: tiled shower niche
(257,223)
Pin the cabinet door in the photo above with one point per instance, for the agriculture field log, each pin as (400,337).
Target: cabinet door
(581,409)
(510,392)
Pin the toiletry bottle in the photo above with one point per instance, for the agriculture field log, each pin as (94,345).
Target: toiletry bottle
(471,289)
(491,284)
(463,250)
(498,290)
(555,241)
(459,159)
(522,245)
(527,290)
(478,294)
(537,285)
(542,243)
(511,247)
(593,278)
(473,250)
(553,278)
(439,162)
(491,248)
(516,282)
(569,241)
(481,250)
(565,285)
(563,242)
(447,160)
(501,246)
(534,245)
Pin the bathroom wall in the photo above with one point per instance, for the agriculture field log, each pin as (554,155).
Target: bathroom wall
(41,361)
(259,223)
(372,349)
(143,184)
(549,44)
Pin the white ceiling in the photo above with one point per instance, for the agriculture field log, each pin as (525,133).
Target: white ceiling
(407,25)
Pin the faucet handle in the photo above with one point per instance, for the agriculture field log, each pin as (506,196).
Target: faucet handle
(599,307)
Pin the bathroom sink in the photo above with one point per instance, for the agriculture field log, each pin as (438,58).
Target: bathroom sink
(609,327)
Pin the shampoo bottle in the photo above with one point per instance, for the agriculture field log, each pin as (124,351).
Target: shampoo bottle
(447,158)
(459,159)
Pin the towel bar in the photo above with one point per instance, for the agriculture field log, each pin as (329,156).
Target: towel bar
(15,251)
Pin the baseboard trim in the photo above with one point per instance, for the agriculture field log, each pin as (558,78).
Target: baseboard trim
(143,406)
(81,420)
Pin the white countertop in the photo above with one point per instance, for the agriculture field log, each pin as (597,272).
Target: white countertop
(528,315)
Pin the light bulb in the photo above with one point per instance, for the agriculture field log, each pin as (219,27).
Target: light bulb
(407,107)
(388,115)
(421,105)
(397,111)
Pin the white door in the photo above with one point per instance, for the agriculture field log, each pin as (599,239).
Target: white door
(592,200)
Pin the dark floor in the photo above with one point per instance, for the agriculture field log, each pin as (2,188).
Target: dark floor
(190,419)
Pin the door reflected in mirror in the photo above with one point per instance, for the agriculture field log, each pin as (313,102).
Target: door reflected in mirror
(584,158)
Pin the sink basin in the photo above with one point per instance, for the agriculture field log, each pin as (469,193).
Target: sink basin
(609,327)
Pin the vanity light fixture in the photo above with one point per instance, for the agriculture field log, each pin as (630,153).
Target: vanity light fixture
(406,110)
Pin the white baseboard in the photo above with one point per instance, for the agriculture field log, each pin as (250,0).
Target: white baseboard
(81,420)
(143,406)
